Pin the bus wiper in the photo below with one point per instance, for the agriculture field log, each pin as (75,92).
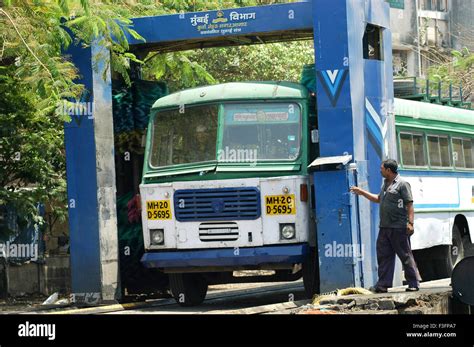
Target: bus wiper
(202,173)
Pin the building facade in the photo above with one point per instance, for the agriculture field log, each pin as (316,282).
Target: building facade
(424,29)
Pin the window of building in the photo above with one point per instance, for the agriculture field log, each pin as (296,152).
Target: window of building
(442,5)
(413,151)
(438,151)
(434,5)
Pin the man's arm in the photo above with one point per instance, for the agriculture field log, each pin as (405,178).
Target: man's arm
(372,197)
(408,200)
(411,212)
(411,218)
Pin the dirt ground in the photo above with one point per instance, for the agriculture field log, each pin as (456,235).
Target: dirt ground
(21,303)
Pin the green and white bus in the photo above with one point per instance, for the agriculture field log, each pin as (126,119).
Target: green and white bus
(436,152)
(225,184)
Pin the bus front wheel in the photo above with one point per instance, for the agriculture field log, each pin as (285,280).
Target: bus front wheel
(188,289)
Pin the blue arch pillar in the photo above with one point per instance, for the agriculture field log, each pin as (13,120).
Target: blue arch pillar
(90,166)
(355,99)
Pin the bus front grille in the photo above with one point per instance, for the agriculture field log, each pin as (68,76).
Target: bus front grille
(211,232)
(241,203)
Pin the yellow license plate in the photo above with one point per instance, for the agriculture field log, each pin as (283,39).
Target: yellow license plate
(158,210)
(280,204)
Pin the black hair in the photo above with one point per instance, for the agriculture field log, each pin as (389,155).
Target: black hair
(391,164)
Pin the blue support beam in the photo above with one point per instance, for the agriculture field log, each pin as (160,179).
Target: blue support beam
(91,188)
(217,27)
(355,96)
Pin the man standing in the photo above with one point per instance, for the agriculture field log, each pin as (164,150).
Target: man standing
(396,226)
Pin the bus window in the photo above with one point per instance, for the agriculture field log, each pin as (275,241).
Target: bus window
(271,130)
(444,150)
(184,138)
(408,156)
(412,146)
(468,153)
(438,148)
(458,153)
(418,147)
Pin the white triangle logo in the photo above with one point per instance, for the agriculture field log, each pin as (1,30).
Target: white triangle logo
(332,75)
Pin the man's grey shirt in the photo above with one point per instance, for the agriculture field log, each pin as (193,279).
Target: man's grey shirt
(393,203)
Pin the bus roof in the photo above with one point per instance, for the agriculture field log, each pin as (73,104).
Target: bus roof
(234,91)
(433,112)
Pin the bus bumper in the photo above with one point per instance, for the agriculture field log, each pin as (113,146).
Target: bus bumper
(228,257)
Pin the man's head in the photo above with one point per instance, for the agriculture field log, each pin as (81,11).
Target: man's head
(389,168)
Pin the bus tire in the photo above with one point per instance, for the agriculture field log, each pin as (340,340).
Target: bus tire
(311,274)
(188,289)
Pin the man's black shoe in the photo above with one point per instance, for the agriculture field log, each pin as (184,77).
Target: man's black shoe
(412,289)
(378,290)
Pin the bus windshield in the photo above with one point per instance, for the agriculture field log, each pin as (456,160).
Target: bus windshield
(251,132)
(262,131)
(184,136)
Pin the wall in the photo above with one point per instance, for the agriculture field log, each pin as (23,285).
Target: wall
(403,24)
(48,278)
(462,23)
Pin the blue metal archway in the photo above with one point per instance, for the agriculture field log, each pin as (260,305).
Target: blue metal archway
(354,99)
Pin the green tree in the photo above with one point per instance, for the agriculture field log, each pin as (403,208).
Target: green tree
(272,62)
(34,78)
(31,155)
(458,70)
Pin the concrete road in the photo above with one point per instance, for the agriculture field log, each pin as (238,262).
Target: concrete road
(224,299)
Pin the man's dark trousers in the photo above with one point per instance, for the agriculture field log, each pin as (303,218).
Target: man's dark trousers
(391,242)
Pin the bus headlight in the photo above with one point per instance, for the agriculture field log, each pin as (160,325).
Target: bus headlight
(287,231)
(157,237)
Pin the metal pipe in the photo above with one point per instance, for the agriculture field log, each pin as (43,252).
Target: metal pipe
(418,35)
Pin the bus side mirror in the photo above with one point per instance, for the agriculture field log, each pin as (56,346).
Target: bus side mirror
(315,136)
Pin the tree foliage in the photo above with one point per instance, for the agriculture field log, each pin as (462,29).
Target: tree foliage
(35,78)
(458,70)
(271,62)
(32,169)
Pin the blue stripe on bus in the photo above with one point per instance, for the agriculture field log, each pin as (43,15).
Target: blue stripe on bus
(437,205)
(431,173)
